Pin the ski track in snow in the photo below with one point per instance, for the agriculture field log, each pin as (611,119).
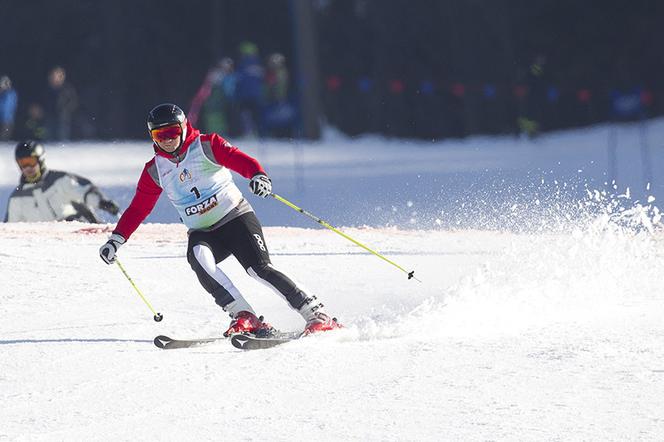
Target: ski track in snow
(528,337)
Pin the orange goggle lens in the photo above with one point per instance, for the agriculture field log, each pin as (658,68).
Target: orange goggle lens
(27,162)
(166,133)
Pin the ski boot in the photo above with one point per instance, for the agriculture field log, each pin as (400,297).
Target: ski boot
(247,323)
(320,322)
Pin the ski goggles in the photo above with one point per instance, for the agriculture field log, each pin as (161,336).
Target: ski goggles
(166,133)
(27,162)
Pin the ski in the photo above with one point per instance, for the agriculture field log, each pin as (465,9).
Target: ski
(166,343)
(250,342)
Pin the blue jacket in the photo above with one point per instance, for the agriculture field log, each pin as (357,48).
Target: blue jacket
(250,75)
(8,101)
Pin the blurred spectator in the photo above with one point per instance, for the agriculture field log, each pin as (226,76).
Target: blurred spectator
(34,127)
(52,195)
(249,90)
(531,104)
(214,101)
(279,115)
(276,78)
(8,101)
(60,103)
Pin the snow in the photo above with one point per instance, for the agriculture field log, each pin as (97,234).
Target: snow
(532,321)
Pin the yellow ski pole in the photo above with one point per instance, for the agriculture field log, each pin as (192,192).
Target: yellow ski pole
(157,316)
(410,274)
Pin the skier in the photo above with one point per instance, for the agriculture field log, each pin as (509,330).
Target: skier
(193,169)
(52,195)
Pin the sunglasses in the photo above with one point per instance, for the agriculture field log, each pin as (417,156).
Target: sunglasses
(27,162)
(165,133)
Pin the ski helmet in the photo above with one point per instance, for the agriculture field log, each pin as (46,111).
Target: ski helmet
(31,148)
(165,114)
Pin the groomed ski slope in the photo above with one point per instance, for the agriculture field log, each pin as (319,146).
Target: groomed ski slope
(508,337)
(539,315)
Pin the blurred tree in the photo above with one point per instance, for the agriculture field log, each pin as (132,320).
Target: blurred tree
(125,56)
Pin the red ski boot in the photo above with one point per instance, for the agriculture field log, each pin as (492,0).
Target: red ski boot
(319,323)
(247,323)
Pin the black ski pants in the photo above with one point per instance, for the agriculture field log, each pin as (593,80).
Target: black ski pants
(243,238)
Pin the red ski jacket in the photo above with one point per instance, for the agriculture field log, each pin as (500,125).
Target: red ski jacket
(148,190)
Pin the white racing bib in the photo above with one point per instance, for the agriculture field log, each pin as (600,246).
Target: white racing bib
(201,190)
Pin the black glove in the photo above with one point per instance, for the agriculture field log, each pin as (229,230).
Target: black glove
(261,185)
(109,206)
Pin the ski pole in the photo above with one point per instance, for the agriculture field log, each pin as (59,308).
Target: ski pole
(323,223)
(157,316)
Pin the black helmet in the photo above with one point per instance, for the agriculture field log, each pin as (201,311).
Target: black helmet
(164,115)
(30,148)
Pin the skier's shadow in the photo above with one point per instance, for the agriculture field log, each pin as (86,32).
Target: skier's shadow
(67,340)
